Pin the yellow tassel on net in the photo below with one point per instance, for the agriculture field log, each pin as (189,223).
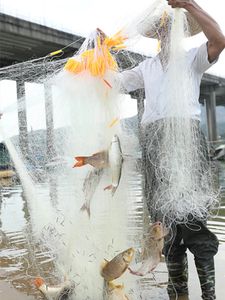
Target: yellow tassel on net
(73,66)
(109,60)
(117,40)
(159,46)
(163,19)
(55,52)
(114,122)
(119,47)
(98,60)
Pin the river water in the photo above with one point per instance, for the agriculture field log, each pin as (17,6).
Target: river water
(20,262)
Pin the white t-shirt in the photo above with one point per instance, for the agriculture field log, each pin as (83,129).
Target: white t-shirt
(149,75)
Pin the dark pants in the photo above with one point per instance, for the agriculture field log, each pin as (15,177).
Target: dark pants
(203,244)
(193,236)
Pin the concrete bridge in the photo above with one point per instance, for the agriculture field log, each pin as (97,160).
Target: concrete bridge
(21,41)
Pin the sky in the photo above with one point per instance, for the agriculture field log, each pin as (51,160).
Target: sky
(83,16)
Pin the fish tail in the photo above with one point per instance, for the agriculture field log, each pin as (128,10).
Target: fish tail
(81,161)
(114,188)
(85,207)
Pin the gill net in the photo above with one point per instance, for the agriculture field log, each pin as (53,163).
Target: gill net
(180,186)
(83,96)
(81,102)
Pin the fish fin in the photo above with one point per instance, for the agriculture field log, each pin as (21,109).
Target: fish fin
(99,152)
(135,272)
(108,187)
(85,207)
(103,264)
(39,282)
(146,267)
(81,161)
(120,286)
(111,285)
(152,269)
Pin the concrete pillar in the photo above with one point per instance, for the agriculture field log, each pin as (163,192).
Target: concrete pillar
(22,119)
(50,141)
(211,116)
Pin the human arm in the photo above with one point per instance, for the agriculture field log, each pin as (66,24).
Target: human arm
(131,80)
(216,39)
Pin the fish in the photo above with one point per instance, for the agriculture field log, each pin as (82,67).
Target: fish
(97,160)
(115,292)
(115,163)
(89,187)
(111,158)
(114,268)
(153,244)
(55,292)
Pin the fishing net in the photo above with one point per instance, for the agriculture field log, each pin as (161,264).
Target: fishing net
(179,180)
(75,104)
(81,97)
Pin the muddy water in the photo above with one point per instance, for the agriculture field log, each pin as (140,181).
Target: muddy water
(21,261)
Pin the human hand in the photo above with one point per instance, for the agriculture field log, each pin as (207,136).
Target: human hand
(179,3)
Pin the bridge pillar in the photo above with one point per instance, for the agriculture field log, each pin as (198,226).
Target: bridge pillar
(211,116)
(22,119)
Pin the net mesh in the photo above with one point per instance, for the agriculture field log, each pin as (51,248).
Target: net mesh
(82,116)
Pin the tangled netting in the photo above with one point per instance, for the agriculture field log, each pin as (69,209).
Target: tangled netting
(82,102)
(180,184)
(80,99)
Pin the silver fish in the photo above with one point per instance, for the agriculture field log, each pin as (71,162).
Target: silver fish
(115,163)
(89,187)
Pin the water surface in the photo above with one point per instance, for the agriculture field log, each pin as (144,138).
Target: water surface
(21,261)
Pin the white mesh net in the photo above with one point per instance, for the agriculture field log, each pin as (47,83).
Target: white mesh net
(82,106)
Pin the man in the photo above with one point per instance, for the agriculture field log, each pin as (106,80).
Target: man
(149,75)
